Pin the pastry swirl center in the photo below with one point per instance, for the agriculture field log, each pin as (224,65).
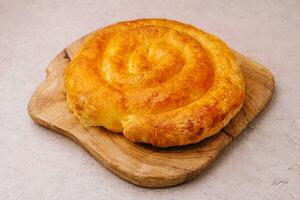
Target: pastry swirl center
(149,56)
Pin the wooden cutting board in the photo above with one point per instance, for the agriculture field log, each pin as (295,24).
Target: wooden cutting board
(140,164)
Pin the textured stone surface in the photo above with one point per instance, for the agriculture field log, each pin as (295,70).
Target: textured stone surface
(36,163)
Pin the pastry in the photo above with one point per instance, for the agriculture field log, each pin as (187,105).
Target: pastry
(156,81)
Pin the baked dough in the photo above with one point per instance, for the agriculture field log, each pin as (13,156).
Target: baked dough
(158,81)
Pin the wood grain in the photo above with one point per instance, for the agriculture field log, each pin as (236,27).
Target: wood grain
(140,164)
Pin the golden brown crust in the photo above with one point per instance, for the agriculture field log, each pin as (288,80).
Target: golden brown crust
(158,81)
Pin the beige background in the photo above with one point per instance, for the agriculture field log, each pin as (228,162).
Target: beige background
(35,163)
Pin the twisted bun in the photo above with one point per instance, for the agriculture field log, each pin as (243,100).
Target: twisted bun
(158,81)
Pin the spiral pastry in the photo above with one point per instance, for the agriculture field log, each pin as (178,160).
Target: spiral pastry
(158,81)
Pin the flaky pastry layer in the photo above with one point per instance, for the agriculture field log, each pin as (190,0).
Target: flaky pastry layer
(158,81)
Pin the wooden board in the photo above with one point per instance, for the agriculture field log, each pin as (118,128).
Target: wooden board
(140,164)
